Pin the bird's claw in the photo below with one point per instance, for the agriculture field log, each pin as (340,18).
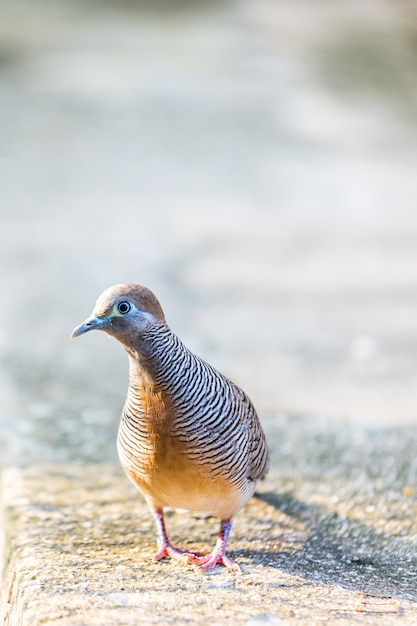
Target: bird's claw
(179,554)
(211,560)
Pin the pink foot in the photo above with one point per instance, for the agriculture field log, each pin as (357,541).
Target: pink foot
(165,548)
(180,554)
(218,556)
(211,560)
(206,561)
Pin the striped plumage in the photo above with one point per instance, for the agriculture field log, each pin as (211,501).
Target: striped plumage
(188,437)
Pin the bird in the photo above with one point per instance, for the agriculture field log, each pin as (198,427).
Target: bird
(188,438)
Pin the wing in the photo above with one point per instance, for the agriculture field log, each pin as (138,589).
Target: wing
(258,454)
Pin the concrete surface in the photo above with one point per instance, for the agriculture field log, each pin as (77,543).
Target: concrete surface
(323,542)
(254,164)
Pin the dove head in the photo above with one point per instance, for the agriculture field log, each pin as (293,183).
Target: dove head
(125,312)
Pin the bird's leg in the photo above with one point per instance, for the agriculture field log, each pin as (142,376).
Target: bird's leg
(219,553)
(165,548)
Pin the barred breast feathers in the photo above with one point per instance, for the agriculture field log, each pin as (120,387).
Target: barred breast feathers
(178,403)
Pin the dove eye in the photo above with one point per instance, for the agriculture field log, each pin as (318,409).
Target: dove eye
(124,307)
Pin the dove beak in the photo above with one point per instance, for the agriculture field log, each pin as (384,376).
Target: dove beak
(91,323)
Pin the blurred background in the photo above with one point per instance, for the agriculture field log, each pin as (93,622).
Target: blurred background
(253,162)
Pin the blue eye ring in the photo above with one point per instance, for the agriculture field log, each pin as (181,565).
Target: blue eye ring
(124,307)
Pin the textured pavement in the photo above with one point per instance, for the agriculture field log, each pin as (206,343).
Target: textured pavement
(254,164)
(314,546)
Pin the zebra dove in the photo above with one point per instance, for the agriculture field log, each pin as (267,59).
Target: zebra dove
(188,437)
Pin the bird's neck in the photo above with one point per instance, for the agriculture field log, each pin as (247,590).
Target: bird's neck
(153,381)
(153,359)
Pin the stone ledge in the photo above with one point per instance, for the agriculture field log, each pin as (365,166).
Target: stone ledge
(79,540)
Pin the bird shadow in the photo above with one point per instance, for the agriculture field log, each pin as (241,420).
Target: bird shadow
(337,550)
